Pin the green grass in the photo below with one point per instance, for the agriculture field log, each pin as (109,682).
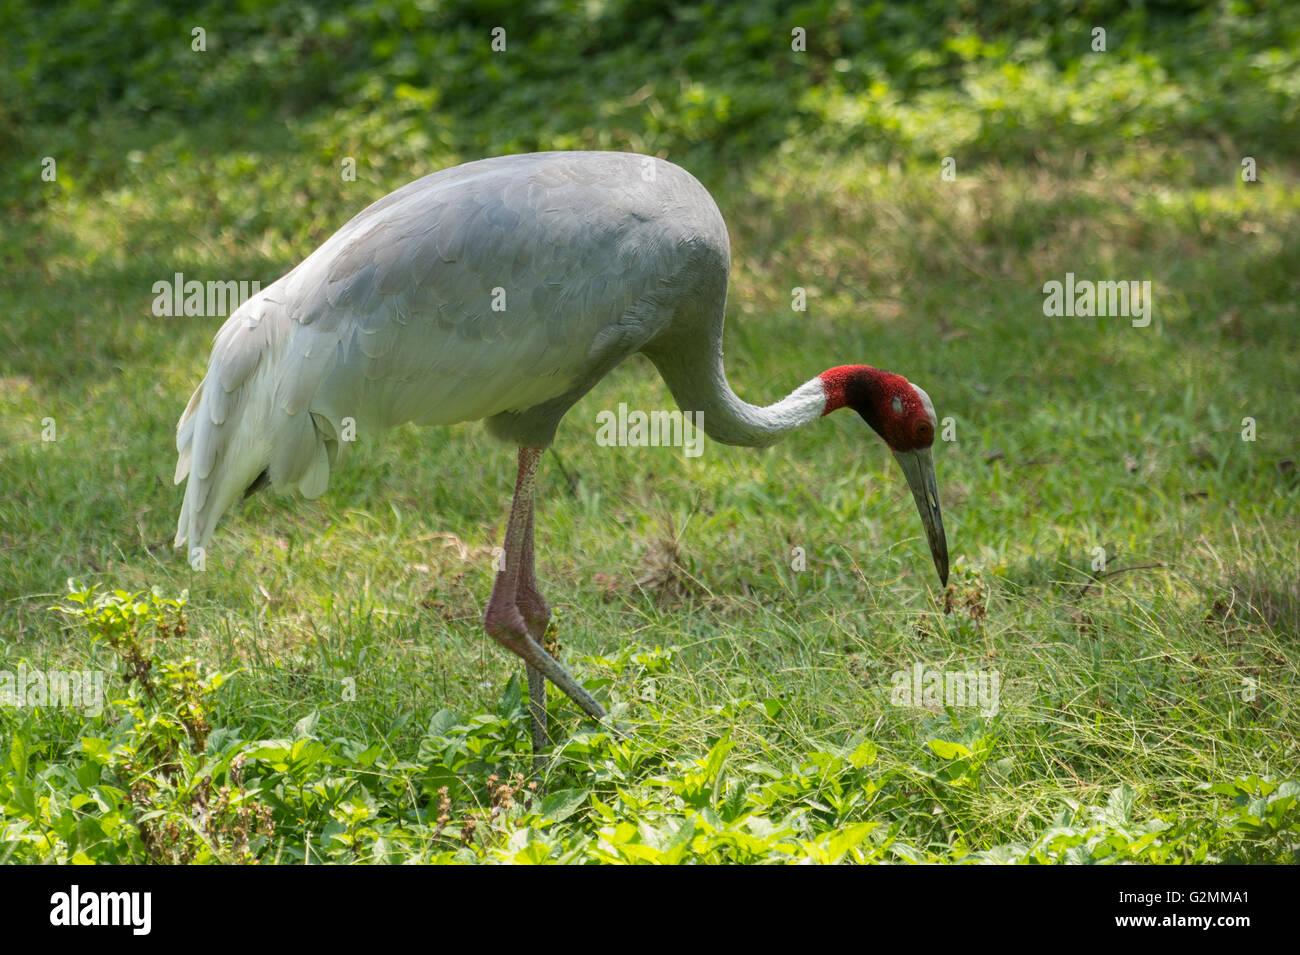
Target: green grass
(1143,712)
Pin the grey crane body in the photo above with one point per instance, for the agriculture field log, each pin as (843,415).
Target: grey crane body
(502,290)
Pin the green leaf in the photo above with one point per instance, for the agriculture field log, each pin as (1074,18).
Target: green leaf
(1120,804)
(18,757)
(88,773)
(717,756)
(561,805)
(24,797)
(512,697)
(909,853)
(864,755)
(946,750)
(848,838)
(441,722)
(306,727)
(275,752)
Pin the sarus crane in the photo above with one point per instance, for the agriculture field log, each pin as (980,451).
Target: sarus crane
(502,289)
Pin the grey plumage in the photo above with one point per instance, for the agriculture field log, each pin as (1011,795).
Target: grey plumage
(597,255)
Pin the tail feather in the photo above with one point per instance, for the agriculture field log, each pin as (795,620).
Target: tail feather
(236,431)
(185,437)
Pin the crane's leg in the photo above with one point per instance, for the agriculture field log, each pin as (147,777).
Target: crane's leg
(515,600)
(537,616)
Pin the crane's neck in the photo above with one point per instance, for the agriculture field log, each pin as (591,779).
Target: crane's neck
(702,386)
(689,357)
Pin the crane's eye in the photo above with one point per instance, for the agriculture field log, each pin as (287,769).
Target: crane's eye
(924,430)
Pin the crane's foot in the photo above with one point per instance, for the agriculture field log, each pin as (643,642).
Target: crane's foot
(507,628)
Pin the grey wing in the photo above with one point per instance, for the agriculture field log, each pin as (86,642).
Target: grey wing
(465,299)
(478,292)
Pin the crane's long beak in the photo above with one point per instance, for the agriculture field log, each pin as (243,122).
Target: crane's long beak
(918,468)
